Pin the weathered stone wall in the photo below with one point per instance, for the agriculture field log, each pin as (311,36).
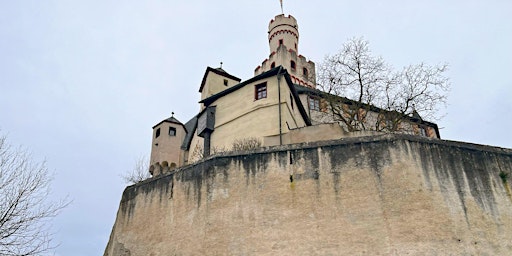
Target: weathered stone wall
(380,195)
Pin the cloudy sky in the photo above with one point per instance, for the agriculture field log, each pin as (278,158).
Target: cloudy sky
(83,82)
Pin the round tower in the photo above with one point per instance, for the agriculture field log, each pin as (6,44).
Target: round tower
(283,40)
(283,30)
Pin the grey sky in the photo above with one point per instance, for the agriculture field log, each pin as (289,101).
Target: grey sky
(82,83)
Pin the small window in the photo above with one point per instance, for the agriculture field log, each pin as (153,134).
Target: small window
(260,91)
(389,124)
(305,72)
(292,64)
(314,103)
(172,131)
(423,131)
(157,133)
(273,65)
(295,46)
(281,42)
(225,82)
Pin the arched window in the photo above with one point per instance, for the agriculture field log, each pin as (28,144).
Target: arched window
(292,64)
(305,72)
(273,65)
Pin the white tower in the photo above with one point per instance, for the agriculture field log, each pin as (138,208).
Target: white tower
(283,39)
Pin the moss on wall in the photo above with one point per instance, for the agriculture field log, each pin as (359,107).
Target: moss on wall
(392,194)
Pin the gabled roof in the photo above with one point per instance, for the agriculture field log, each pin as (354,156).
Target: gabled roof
(218,71)
(273,72)
(169,120)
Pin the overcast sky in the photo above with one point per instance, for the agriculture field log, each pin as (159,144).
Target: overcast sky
(83,82)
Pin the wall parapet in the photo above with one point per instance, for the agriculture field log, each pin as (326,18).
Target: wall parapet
(384,194)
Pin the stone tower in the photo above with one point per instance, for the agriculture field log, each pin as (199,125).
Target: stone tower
(166,146)
(283,39)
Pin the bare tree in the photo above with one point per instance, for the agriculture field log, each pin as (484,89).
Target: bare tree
(25,211)
(237,145)
(357,83)
(139,172)
(197,154)
(246,144)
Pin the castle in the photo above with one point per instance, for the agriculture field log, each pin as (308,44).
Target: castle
(309,187)
(279,105)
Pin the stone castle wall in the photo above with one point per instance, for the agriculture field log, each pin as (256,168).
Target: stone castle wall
(379,195)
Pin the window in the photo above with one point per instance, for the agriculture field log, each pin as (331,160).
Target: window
(291,100)
(281,42)
(389,124)
(172,131)
(273,65)
(423,131)
(292,64)
(305,72)
(260,91)
(157,133)
(225,82)
(314,103)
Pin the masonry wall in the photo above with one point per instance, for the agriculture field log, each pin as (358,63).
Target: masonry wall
(393,194)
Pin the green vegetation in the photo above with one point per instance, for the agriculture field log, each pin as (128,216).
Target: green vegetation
(504,176)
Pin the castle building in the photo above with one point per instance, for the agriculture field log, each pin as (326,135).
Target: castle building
(279,105)
(337,193)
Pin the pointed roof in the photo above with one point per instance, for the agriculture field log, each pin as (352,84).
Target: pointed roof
(171,119)
(218,71)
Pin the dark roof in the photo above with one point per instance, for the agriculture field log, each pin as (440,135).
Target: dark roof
(273,72)
(190,128)
(218,71)
(169,120)
(416,115)
(303,89)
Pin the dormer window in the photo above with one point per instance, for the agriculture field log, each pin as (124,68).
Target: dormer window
(172,131)
(292,64)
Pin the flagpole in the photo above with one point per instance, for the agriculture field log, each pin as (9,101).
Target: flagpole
(281,1)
